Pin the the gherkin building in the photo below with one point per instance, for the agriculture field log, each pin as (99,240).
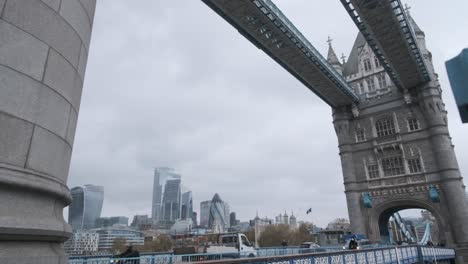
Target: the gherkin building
(217,219)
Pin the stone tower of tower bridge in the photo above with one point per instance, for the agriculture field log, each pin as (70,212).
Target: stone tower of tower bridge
(396,151)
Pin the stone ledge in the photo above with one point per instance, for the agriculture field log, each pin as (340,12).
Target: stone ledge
(21,178)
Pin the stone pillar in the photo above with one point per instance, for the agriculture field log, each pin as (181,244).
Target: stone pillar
(453,196)
(44,47)
(341,121)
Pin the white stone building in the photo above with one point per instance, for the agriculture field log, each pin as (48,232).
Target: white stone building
(82,243)
(108,235)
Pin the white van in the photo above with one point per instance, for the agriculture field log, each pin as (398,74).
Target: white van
(236,243)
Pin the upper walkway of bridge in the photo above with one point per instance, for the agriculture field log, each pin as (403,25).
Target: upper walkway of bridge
(262,23)
(389,32)
(384,24)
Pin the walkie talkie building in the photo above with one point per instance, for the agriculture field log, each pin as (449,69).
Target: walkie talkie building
(86,206)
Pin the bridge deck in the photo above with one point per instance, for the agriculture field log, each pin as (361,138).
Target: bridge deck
(388,31)
(262,23)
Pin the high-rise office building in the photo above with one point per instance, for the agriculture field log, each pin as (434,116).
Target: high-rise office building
(186,211)
(227,219)
(232,219)
(457,69)
(171,202)
(204,213)
(86,206)
(194,218)
(161,176)
(217,219)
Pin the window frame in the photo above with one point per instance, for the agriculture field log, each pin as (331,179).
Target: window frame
(413,124)
(417,165)
(385,129)
(373,171)
(393,166)
(377,62)
(361,88)
(360,135)
(382,80)
(370,84)
(367,65)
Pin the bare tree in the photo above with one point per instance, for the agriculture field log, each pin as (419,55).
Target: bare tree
(119,245)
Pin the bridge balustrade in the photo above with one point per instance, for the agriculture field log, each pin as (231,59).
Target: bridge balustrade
(384,255)
(393,255)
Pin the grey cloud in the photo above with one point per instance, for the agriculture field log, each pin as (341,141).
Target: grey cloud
(169,83)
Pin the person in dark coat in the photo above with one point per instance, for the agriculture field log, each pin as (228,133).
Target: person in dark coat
(129,253)
(353,245)
(134,254)
(284,243)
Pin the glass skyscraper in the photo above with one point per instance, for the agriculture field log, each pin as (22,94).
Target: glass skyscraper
(204,213)
(171,202)
(186,211)
(219,214)
(161,176)
(457,69)
(86,206)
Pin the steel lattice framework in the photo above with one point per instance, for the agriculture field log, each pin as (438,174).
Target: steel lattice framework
(262,23)
(386,27)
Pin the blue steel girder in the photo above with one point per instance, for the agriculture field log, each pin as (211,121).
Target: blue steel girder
(263,24)
(387,29)
(403,227)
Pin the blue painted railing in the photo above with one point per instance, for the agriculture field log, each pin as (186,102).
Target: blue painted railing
(387,255)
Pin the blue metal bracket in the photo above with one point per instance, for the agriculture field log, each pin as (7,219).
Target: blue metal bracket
(367,200)
(434,194)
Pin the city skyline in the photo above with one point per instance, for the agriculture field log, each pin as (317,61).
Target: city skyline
(188,199)
(186,204)
(279,136)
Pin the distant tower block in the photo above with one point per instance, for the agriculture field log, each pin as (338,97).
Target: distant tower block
(43,54)
(457,69)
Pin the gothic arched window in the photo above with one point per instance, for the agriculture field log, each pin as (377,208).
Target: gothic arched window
(377,62)
(382,81)
(385,127)
(414,165)
(361,88)
(370,84)
(367,65)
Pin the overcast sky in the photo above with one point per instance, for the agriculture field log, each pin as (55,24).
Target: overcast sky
(169,83)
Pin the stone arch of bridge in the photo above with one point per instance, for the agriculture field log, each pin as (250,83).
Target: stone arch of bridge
(381,216)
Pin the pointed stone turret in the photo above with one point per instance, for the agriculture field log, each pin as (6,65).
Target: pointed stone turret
(292,219)
(257,217)
(332,58)
(416,28)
